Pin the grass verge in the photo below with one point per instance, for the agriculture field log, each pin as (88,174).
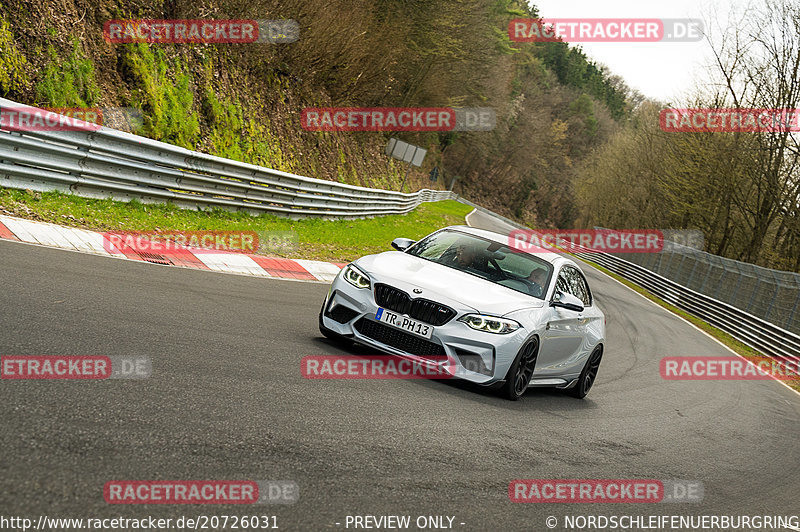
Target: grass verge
(728,340)
(329,240)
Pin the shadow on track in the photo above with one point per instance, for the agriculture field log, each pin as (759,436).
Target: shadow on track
(549,399)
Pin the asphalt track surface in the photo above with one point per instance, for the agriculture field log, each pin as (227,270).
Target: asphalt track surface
(226,401)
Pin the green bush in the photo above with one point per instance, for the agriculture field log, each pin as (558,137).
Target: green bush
(68,82)
(12,62)
(163,91)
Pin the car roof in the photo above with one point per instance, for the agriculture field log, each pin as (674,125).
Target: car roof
(554,258)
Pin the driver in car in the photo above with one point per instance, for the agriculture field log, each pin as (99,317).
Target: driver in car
(539,278)
(468,256)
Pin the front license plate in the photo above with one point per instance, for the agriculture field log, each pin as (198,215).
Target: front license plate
(404,322)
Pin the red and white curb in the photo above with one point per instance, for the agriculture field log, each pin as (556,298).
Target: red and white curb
(74,239)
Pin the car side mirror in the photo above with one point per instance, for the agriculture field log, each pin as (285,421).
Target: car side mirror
(567,301)
(402,244)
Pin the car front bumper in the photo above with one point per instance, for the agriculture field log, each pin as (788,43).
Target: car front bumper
(476,356)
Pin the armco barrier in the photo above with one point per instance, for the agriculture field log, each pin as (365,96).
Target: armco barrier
(771,295)
(752,331)
(106,163)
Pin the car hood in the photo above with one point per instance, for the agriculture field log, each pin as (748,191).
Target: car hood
(444,284)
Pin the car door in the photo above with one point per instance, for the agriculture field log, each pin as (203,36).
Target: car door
(563,337)
(591,321)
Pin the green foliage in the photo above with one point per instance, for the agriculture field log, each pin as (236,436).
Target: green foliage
(503,42)
(573,69)
(265,148)
(583,108)
(163,91)
(234,135)
(69,82)
(12,62)
(710,181)
(226,123)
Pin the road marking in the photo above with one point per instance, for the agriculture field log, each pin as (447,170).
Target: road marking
(466,218)
(122,257)
(231,262)
(83,241)
(324,271)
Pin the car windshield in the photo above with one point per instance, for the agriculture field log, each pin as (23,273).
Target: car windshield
(488,260)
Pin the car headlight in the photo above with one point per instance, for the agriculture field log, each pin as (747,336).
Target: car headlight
(490,324)
(356,277)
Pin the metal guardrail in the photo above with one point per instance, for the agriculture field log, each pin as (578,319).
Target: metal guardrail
(752,331)
(106,163)
(755,332)
(771,295)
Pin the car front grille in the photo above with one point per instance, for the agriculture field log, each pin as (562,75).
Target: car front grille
(420,309)
(401,340)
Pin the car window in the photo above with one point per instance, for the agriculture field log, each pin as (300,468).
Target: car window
(587,294)
(489,260)
(571,281)
(562,284)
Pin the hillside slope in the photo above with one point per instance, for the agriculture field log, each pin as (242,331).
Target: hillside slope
(244,101)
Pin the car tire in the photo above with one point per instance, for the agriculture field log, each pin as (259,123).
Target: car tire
(588,375)
(521,371)
(329,334)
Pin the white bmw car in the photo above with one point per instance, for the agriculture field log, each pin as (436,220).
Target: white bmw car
(461,298)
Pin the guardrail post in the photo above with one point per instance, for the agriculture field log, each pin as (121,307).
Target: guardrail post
(705,279)
(752,294)
(680,266)
(790,320)
(774,297)
(720,283)
(691,273)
